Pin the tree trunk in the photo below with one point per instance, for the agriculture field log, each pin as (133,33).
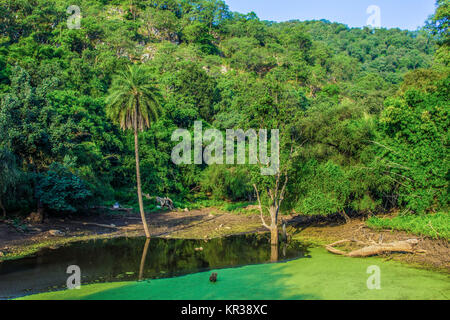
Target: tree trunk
(274,253)
(274,235)
(41,212)
(3,208)
(274,240)
(346,217)
(138,178)
(273,211)
(273,226)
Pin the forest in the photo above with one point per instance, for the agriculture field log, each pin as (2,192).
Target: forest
(363,113)
(344,197)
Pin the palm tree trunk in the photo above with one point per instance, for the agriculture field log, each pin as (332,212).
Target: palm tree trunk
(138,179)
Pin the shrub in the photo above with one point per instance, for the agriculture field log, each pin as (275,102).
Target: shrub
(62,191)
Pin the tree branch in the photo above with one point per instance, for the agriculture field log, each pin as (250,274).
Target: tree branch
(260,208)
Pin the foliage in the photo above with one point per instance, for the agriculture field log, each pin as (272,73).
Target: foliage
(435,225)
(440,22)
(414,146)
(9,176)
(350,102)
(62,191)
(226,183)
(133,101)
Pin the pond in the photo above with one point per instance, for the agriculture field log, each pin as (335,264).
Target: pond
(131,259)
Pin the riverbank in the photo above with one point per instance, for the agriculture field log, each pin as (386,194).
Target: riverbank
(210,223)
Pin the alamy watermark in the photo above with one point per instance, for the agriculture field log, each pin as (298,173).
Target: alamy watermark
(374,20)
(74,21)
(213,153)
(374,280)
(74,280)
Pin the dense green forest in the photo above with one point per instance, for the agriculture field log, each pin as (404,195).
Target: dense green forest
(365,110)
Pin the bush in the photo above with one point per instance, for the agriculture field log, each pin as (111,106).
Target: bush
(230,183)
(61,190)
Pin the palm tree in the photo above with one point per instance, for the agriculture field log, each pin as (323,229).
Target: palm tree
(134,103)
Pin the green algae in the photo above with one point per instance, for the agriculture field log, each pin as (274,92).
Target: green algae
(322,276)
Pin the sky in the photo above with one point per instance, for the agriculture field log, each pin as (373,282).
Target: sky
(403,14)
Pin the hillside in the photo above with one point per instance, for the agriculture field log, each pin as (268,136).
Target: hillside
(367,108)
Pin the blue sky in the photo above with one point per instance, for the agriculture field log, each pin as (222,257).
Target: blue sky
(403,14)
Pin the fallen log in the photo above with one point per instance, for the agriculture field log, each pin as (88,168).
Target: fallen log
(373,249)
(109,226)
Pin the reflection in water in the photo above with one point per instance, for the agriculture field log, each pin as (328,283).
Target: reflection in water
(144,256)
(274,253)
(125,259)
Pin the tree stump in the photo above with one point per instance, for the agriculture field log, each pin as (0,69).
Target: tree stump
(165,203)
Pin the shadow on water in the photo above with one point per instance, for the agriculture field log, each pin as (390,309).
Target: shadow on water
(128,259)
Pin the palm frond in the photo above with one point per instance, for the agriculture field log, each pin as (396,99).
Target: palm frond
(133,101)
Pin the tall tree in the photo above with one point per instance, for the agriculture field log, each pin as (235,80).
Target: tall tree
(134,103)
(276,108)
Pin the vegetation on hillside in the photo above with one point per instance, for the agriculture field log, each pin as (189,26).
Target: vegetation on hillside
(365,111)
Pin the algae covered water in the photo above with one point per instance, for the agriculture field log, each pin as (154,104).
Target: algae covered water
(322,276)
(130,259)
(180,269)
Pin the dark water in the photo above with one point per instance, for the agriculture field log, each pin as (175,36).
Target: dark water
(123,259)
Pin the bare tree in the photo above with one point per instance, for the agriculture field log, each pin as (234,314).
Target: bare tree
(276,196)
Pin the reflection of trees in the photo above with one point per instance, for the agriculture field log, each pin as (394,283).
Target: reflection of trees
(117,259)
(179,256)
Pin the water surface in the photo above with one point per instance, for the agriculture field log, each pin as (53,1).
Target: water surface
(322,276)
(129,259)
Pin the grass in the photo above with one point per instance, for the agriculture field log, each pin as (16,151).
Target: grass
(238,207)
(222,205)
(436,226)
(321,275)
(198,204)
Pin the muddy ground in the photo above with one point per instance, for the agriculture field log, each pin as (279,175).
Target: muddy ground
(206,223)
